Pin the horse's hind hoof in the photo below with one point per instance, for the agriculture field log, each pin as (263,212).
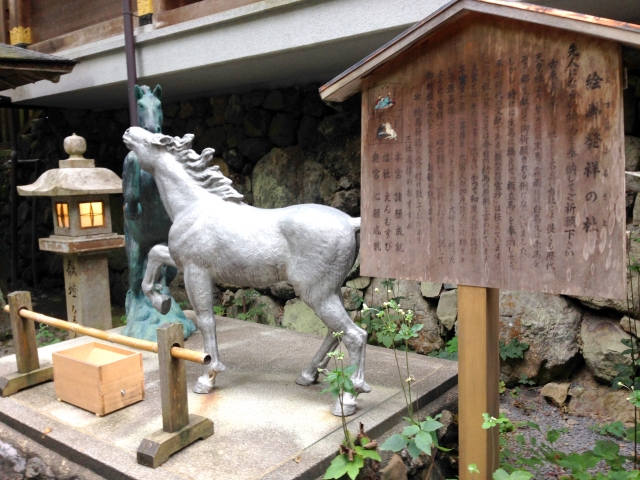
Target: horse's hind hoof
(365,388)
(346,409)
(305,381)
(202,388)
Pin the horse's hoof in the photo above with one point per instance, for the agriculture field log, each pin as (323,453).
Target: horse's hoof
(165,305)
(365,388)
(305,381)
(347,409)
(202,388)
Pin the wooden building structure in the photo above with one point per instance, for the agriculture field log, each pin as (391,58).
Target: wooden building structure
(493,157)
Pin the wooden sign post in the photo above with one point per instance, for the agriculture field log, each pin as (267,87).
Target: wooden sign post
(478,377)
(493,157)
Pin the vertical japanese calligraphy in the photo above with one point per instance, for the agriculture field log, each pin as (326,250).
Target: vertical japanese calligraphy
(492,156)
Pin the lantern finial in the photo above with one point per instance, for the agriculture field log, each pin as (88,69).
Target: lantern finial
(75,146)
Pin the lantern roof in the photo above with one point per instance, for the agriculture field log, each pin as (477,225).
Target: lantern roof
(73,181)
(349,82)
(76,176)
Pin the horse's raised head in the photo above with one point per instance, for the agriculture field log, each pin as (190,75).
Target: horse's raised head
(147,146)
(149,108)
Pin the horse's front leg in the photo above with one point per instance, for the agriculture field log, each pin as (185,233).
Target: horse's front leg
(200,290)
(158,256)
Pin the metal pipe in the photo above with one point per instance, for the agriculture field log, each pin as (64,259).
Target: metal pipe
(34,234)
(13,133)
(147,346)
(129,48)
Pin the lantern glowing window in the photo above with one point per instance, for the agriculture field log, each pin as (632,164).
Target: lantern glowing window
(91,214)
(62,214)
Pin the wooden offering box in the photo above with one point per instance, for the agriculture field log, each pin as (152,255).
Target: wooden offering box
(98,377)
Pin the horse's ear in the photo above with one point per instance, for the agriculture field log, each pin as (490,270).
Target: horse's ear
(137,91)
(160,139)
(157,92)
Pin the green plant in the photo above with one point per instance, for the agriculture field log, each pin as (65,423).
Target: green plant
(353,451)
(394,329)
(628,372)
(526,381)
(501,474)
(45,336)
(502,387)
(449,352)
(513,350)
(184,305)
(219,310)
(535,454)
(248,313)
(473,468)
(615,429)
(417,438)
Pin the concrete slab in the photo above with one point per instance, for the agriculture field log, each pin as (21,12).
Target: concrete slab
(266,426)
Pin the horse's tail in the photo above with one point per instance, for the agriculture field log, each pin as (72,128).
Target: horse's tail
(355,223)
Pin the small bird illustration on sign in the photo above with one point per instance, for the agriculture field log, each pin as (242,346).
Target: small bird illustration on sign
(384,103)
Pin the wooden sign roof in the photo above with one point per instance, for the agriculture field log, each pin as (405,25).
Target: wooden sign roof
(350,81)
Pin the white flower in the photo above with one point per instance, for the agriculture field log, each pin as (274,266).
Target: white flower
(376,289)
(389,291)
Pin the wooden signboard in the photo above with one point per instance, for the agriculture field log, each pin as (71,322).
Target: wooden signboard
(493,156)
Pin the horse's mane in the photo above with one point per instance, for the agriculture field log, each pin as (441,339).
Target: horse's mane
(197,166)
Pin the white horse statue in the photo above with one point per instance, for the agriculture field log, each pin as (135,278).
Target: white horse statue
(216,238)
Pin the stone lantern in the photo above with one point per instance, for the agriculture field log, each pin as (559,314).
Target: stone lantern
(82,230)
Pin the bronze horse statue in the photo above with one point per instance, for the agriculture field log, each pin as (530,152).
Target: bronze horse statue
(146,224)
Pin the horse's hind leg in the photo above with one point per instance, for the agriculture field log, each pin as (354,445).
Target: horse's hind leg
(158,256)
(199,286)
(333,314)
(320,360)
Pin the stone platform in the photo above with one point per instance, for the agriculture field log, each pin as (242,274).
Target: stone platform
(265,426)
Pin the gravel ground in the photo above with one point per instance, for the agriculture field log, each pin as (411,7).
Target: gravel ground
(529,405)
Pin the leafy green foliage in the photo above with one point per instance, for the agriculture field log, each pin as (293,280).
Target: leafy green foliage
(339,381)
(526,381)
(513,350)
(449,352)
(243,300)
(353,452)
(502,387)
(473,468)
(417,438)
(501,474)
(45,336)
(615,429)
(574,465)
(628,374)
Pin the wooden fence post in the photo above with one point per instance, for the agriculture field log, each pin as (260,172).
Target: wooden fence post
(179,428)
(478,378)
(24,339)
